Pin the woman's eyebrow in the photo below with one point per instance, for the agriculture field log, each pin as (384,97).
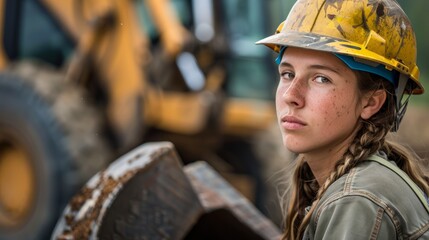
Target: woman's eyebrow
(314,66)
(324,67)
(285,64)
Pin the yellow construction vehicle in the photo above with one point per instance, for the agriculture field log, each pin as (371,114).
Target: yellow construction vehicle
(81,82)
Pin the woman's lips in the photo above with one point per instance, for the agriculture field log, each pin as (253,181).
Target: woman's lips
(292,123)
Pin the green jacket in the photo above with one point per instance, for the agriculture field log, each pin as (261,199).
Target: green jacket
(375,200)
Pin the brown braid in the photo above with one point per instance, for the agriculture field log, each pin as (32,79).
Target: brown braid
(415,167)
(303,193)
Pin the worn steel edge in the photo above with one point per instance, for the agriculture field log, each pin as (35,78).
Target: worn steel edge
(88,212)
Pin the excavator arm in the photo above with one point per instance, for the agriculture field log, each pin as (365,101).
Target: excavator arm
(109,36)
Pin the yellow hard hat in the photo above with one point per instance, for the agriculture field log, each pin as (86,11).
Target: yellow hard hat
(372,32)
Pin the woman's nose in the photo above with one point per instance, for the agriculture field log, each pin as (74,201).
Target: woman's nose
(294,94)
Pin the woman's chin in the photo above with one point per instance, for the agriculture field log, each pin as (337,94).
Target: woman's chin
(293,146)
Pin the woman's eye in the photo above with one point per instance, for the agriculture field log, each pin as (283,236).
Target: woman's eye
(288,75)
(322,79)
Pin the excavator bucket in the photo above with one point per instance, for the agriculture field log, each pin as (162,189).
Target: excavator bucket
(228,215)
(148,194)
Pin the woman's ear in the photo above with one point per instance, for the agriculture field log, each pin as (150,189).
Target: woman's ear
(372,103)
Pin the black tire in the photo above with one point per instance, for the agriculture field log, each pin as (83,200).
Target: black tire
(60,132)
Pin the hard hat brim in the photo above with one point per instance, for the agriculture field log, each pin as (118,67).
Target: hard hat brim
(335,45)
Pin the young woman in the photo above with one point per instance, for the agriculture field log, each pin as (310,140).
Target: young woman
(346,70)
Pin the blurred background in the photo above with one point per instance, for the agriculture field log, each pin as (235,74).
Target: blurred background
(83,82)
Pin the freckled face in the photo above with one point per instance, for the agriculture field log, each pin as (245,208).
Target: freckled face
(317,101)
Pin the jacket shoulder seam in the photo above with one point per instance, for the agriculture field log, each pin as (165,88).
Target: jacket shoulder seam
(364,194)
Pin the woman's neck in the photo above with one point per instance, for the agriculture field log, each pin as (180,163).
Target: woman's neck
(322,162)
